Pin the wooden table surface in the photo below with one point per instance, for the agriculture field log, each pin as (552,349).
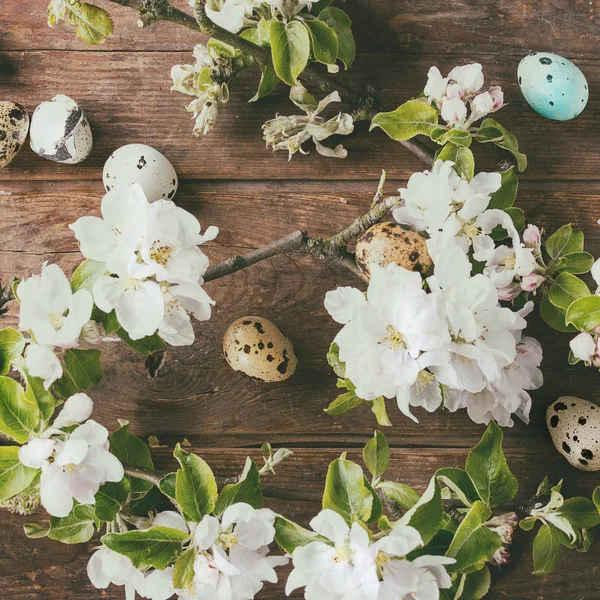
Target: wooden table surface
(230,180)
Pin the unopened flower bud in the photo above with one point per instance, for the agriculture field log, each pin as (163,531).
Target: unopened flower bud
(509,292)
(497,96)
(92,332)
(501,557)
(510,518)
(532,236)
(531,282)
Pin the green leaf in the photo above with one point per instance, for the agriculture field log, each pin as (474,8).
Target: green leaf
(576,263)
(564,241)
(584,313)
(377,510)
(580,512)
(528,523)
(427,514)
(488,469)
(111,498)
(343,403)
(377,454)
(19,415)
(346,492)
(474,543)
(462,157)
(155,547)
(474,586)
(324,41)
(14,477)
(268,82)
(486,135)
(145,502)
(596,498)
(92,23)
(380,412)
(290,536)
(507,194)
(340,22)
(218,48)
(183,570)
(546,549)
(248,489)
(146,346)
(290,48)
(509,142)
(195,486)
(438,546)
(76,528)
(82,371)
(86,275)
(403,495)
(458,137)
(566,289)
(408,120)
(167,485)
(12,344)
(34,531)
(36,392)
(459,482)
(333,358)
(553,316)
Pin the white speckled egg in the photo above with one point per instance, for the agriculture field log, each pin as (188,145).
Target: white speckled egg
(60,132)
(139,163)
(574,426)
(553,86)
(14,125)
(256,348)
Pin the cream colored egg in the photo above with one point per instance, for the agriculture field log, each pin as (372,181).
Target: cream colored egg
(386,243)
(574,426)
(14,125)
(256,348)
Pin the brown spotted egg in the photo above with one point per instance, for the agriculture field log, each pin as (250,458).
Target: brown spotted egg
(574,426)
(14,125)
(256,348)
(387,243)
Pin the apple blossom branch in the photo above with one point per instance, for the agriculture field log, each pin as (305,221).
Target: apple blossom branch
(151,11)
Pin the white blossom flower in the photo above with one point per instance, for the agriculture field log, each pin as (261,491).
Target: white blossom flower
(76,409)
(159,584)
(50,310)
(436,85)
(454,111)
(468,77)
(482,105)
(230,14)
(106,566)
(43,363)
(508,263)
(584,346)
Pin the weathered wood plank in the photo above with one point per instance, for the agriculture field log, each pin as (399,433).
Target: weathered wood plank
(42,569)
(126,98)
(472,27)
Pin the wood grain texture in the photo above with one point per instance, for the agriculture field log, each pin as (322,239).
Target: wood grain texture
(230,180)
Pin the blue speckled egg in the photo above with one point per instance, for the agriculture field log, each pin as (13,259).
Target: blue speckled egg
(553,86)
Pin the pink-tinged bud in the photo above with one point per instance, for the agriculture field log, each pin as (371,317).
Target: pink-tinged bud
(497,96)
(92,332)
(532,236)
(531,282)
(510,292)
(501,557)
(583,347)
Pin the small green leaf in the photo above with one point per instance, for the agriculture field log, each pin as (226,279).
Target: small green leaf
(488,469)
(268,82)
(36,392)
(580,512)
(82,371)
(409,120)
(12,344)
(183,570)
(584,313)
(377,454)
(486,135)
(474,586)
(379,410)
(76,528)
(333,358)
(14,477)
(156,547)
(546,549)
(248,489)
(340,22)
(167,485)
(92,23)
(86,275)
(566,289)
(462,157)
(458,137)
(403,495)
(290,48)
(507,194)
(596,498)
(111,498)
(343,403)
(346,492)
(564,241)
(528,523)
(576,263)
(290,536)
(218,48)
(474,543)
(34,531)
(19,415)
(427,514)
(509,142)
(553,316)
(459,482)
(324,41)
(195,486)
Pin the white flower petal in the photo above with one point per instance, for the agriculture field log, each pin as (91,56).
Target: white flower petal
(76,409)
(35,453)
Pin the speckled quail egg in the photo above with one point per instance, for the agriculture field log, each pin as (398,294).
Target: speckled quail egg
(14,125)
(139,163)
(553,86)
(386,243)
(574,426)
(60,132)
(256,348)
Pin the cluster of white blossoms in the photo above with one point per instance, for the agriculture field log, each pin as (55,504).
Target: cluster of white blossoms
(459,97)
(347,564)
(231,561)
(73,464)
(153,263)
(586,345)
(445,338)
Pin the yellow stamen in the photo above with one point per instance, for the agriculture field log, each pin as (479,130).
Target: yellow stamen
(394,338)
(160,254)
